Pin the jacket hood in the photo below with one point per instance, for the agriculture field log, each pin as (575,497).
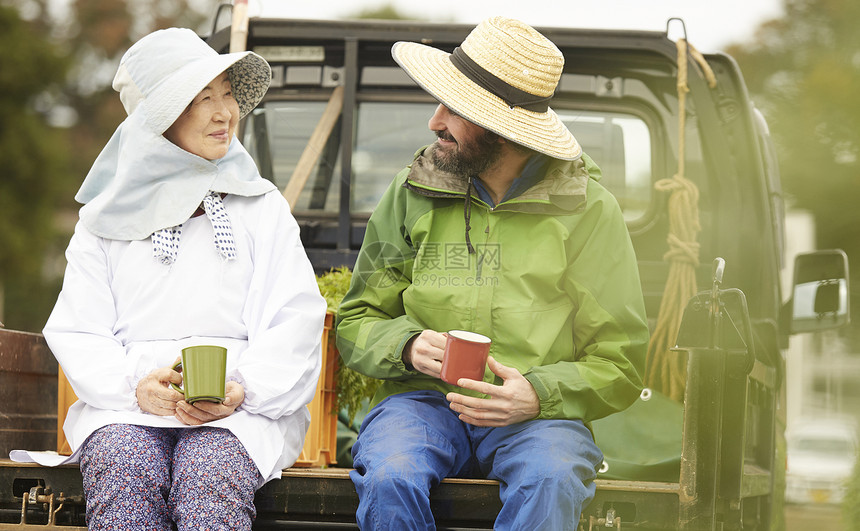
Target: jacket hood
(562,189)
(141,182)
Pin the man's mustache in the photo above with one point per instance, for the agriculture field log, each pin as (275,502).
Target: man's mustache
(445,135)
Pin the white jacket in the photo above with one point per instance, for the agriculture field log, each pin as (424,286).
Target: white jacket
(122,314)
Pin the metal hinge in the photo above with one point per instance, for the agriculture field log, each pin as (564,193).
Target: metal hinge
(44,498)
(610,521)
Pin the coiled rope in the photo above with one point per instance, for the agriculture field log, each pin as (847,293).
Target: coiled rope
(666,370)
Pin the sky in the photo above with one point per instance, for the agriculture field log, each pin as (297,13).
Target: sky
(711,25)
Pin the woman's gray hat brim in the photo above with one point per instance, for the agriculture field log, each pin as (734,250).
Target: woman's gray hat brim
(154,77)
(141,182)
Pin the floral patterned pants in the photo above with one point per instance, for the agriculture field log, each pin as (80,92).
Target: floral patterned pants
(139,477)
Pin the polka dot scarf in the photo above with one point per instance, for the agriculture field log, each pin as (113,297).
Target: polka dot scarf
(165,242)
(221,223)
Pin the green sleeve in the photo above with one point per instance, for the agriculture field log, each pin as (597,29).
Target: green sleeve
(372,327)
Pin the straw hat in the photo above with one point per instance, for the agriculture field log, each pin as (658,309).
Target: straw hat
(163,72)
(501,78)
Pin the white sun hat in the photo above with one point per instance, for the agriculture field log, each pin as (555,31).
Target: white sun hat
(501,78)
(162,82)
(141,182)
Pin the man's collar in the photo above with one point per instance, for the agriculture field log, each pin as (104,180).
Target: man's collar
(533,171)
(559,183)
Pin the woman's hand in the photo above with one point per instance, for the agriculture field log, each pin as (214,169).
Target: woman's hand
(154,394)
(202,411)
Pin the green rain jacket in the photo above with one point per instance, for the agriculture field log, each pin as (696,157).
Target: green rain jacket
(553,281)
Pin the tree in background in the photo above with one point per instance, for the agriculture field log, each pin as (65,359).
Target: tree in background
(382,12)
(804,73)
(35,159)
(57,111)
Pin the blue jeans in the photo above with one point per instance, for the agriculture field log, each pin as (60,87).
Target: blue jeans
(411,441)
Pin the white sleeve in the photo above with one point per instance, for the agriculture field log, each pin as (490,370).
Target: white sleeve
(80,329)
(284,315)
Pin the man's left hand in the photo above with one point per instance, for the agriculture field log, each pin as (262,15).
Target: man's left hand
(509,403)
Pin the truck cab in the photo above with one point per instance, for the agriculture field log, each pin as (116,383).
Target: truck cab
(341,119)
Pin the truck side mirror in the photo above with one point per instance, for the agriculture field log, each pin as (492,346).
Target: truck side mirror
(819,298)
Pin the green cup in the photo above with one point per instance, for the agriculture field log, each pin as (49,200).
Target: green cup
(204,371)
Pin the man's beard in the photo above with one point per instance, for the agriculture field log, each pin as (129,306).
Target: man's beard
(467,158)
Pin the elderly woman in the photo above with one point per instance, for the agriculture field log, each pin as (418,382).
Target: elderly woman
(181,242)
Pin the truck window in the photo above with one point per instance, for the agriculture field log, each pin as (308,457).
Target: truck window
(621,145)
(389,133)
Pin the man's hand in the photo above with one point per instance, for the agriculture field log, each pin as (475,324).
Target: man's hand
(425,352)
(512,402)
(202,411)
(154,394)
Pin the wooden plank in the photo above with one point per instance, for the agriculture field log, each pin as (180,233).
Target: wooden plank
(343,473)
(28,393)
(311,154)
(25,352)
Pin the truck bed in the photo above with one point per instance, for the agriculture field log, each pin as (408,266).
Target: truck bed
(324,498)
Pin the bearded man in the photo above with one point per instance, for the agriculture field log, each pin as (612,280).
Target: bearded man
(499,228)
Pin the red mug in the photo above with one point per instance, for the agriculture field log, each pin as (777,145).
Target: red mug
(465,356)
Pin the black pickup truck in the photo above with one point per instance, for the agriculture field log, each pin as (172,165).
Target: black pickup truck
(341,119)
